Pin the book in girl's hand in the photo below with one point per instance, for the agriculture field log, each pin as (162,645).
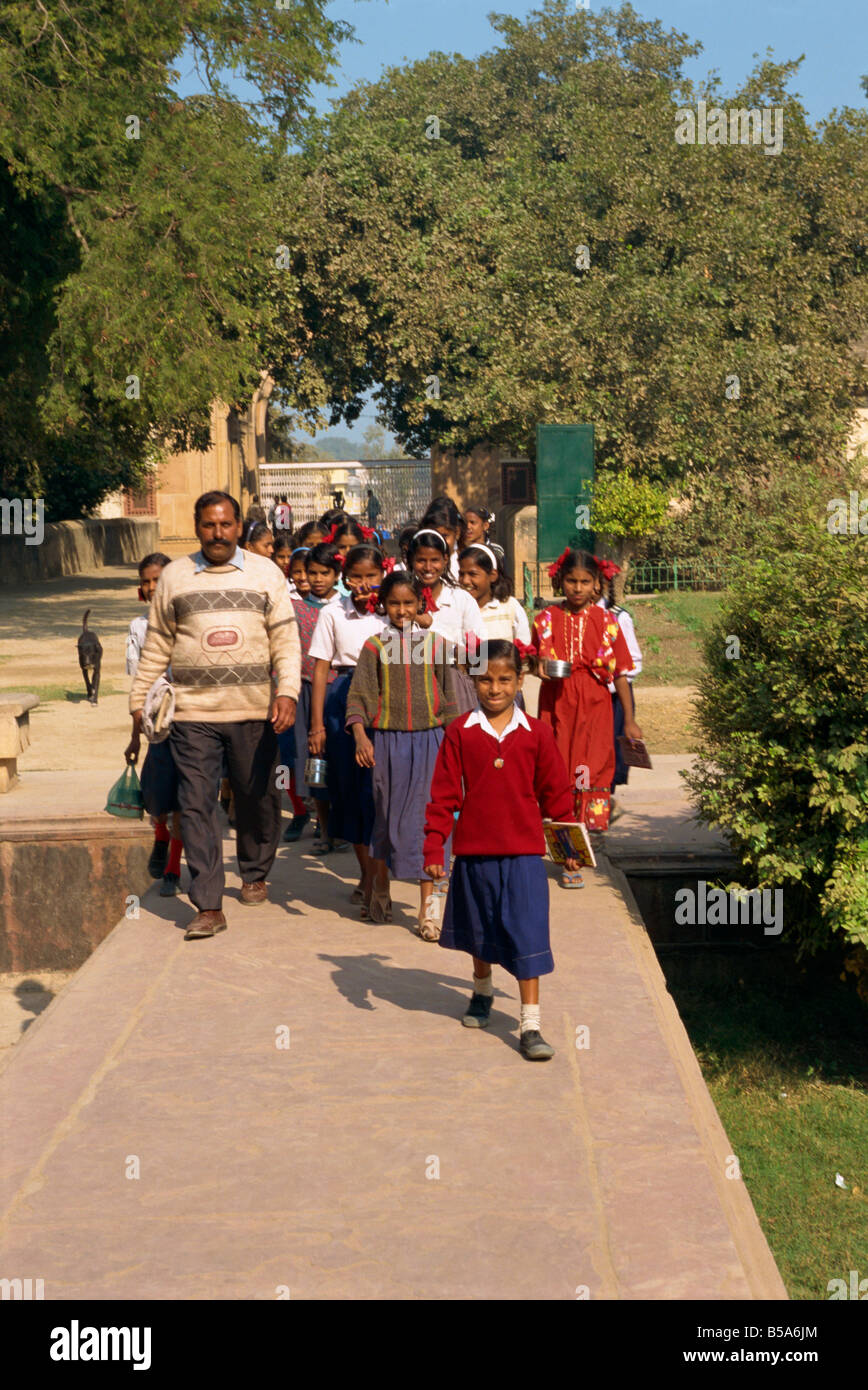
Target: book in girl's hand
(565,840)
(634,752)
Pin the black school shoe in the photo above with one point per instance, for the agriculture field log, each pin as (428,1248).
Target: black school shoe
(294,829)
(159,858)
(534,1047)
(170,886)
(478,1011)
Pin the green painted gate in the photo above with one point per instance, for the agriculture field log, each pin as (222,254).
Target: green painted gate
(564,483)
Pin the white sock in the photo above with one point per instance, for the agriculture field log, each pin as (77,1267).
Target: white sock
(529,1018)
(483,986)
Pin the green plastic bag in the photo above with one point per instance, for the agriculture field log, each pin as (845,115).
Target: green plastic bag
(125,797)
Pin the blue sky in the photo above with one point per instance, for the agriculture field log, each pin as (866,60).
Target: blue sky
(832,35)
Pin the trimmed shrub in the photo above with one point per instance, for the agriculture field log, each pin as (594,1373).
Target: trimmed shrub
(783,719)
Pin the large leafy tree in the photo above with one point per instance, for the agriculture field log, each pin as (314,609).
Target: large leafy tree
(451,264)
(141,238)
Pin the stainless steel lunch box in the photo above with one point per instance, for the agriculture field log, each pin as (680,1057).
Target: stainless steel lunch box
(315,772)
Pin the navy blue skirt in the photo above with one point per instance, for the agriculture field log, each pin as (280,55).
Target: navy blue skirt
(403,767)
(349,787)
(286,748)
(622,771)
(498,910)
(160,780)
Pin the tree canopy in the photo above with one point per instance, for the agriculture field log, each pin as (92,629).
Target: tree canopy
(133,285)
(519,238)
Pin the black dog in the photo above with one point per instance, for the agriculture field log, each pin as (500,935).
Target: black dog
(89,659)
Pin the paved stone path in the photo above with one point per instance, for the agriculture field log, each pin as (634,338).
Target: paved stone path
(160,1142)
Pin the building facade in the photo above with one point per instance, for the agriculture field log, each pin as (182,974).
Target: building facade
(230,464)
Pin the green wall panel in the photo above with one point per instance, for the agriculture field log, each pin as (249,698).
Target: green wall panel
(564,482)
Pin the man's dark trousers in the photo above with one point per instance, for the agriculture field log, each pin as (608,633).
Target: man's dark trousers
(251,757)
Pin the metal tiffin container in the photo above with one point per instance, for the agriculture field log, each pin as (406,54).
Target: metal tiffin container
(315,772)
(558,670)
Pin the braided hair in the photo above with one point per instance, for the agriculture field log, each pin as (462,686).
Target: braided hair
(572,559)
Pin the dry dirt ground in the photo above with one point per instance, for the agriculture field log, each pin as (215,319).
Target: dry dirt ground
(39,626)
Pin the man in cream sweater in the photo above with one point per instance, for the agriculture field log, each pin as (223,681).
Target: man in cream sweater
(224,620)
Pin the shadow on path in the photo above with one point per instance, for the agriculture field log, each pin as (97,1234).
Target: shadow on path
(418,991)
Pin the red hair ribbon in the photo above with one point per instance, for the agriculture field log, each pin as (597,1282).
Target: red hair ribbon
(339,559)
(367,531)
(608,569)
(371,604)
(524,651)
(388,564)
(335,530)
(556,564)
(428,597)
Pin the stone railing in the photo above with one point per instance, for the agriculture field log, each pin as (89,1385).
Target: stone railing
(15,710)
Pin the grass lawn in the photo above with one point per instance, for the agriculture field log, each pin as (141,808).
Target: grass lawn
(785,1061)
(670,628)
(50,694)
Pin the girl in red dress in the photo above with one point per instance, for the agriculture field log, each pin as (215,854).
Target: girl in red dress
(578,707)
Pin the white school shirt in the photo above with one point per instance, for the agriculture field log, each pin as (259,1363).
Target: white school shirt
(625,623)
(453,565)
(341,632)
(518,721)
(457,615)
(135,641)
(505,618)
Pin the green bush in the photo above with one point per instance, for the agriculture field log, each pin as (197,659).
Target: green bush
(624,507)
(734,514)
(783,765)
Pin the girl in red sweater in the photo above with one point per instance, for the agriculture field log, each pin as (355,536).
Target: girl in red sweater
(578,708)
(497,767)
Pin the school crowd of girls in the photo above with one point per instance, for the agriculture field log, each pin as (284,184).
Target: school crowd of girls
(411,691)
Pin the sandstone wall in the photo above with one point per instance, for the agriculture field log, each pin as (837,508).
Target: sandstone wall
(74,547)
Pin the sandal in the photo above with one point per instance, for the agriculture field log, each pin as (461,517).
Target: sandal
(358,894)
(380,907)
(572,880)
(428,921)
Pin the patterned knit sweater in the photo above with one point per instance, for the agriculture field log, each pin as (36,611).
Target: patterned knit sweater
(224,630)
(403,681)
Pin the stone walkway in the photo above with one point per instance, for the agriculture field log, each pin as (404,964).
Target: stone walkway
(161,1141)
